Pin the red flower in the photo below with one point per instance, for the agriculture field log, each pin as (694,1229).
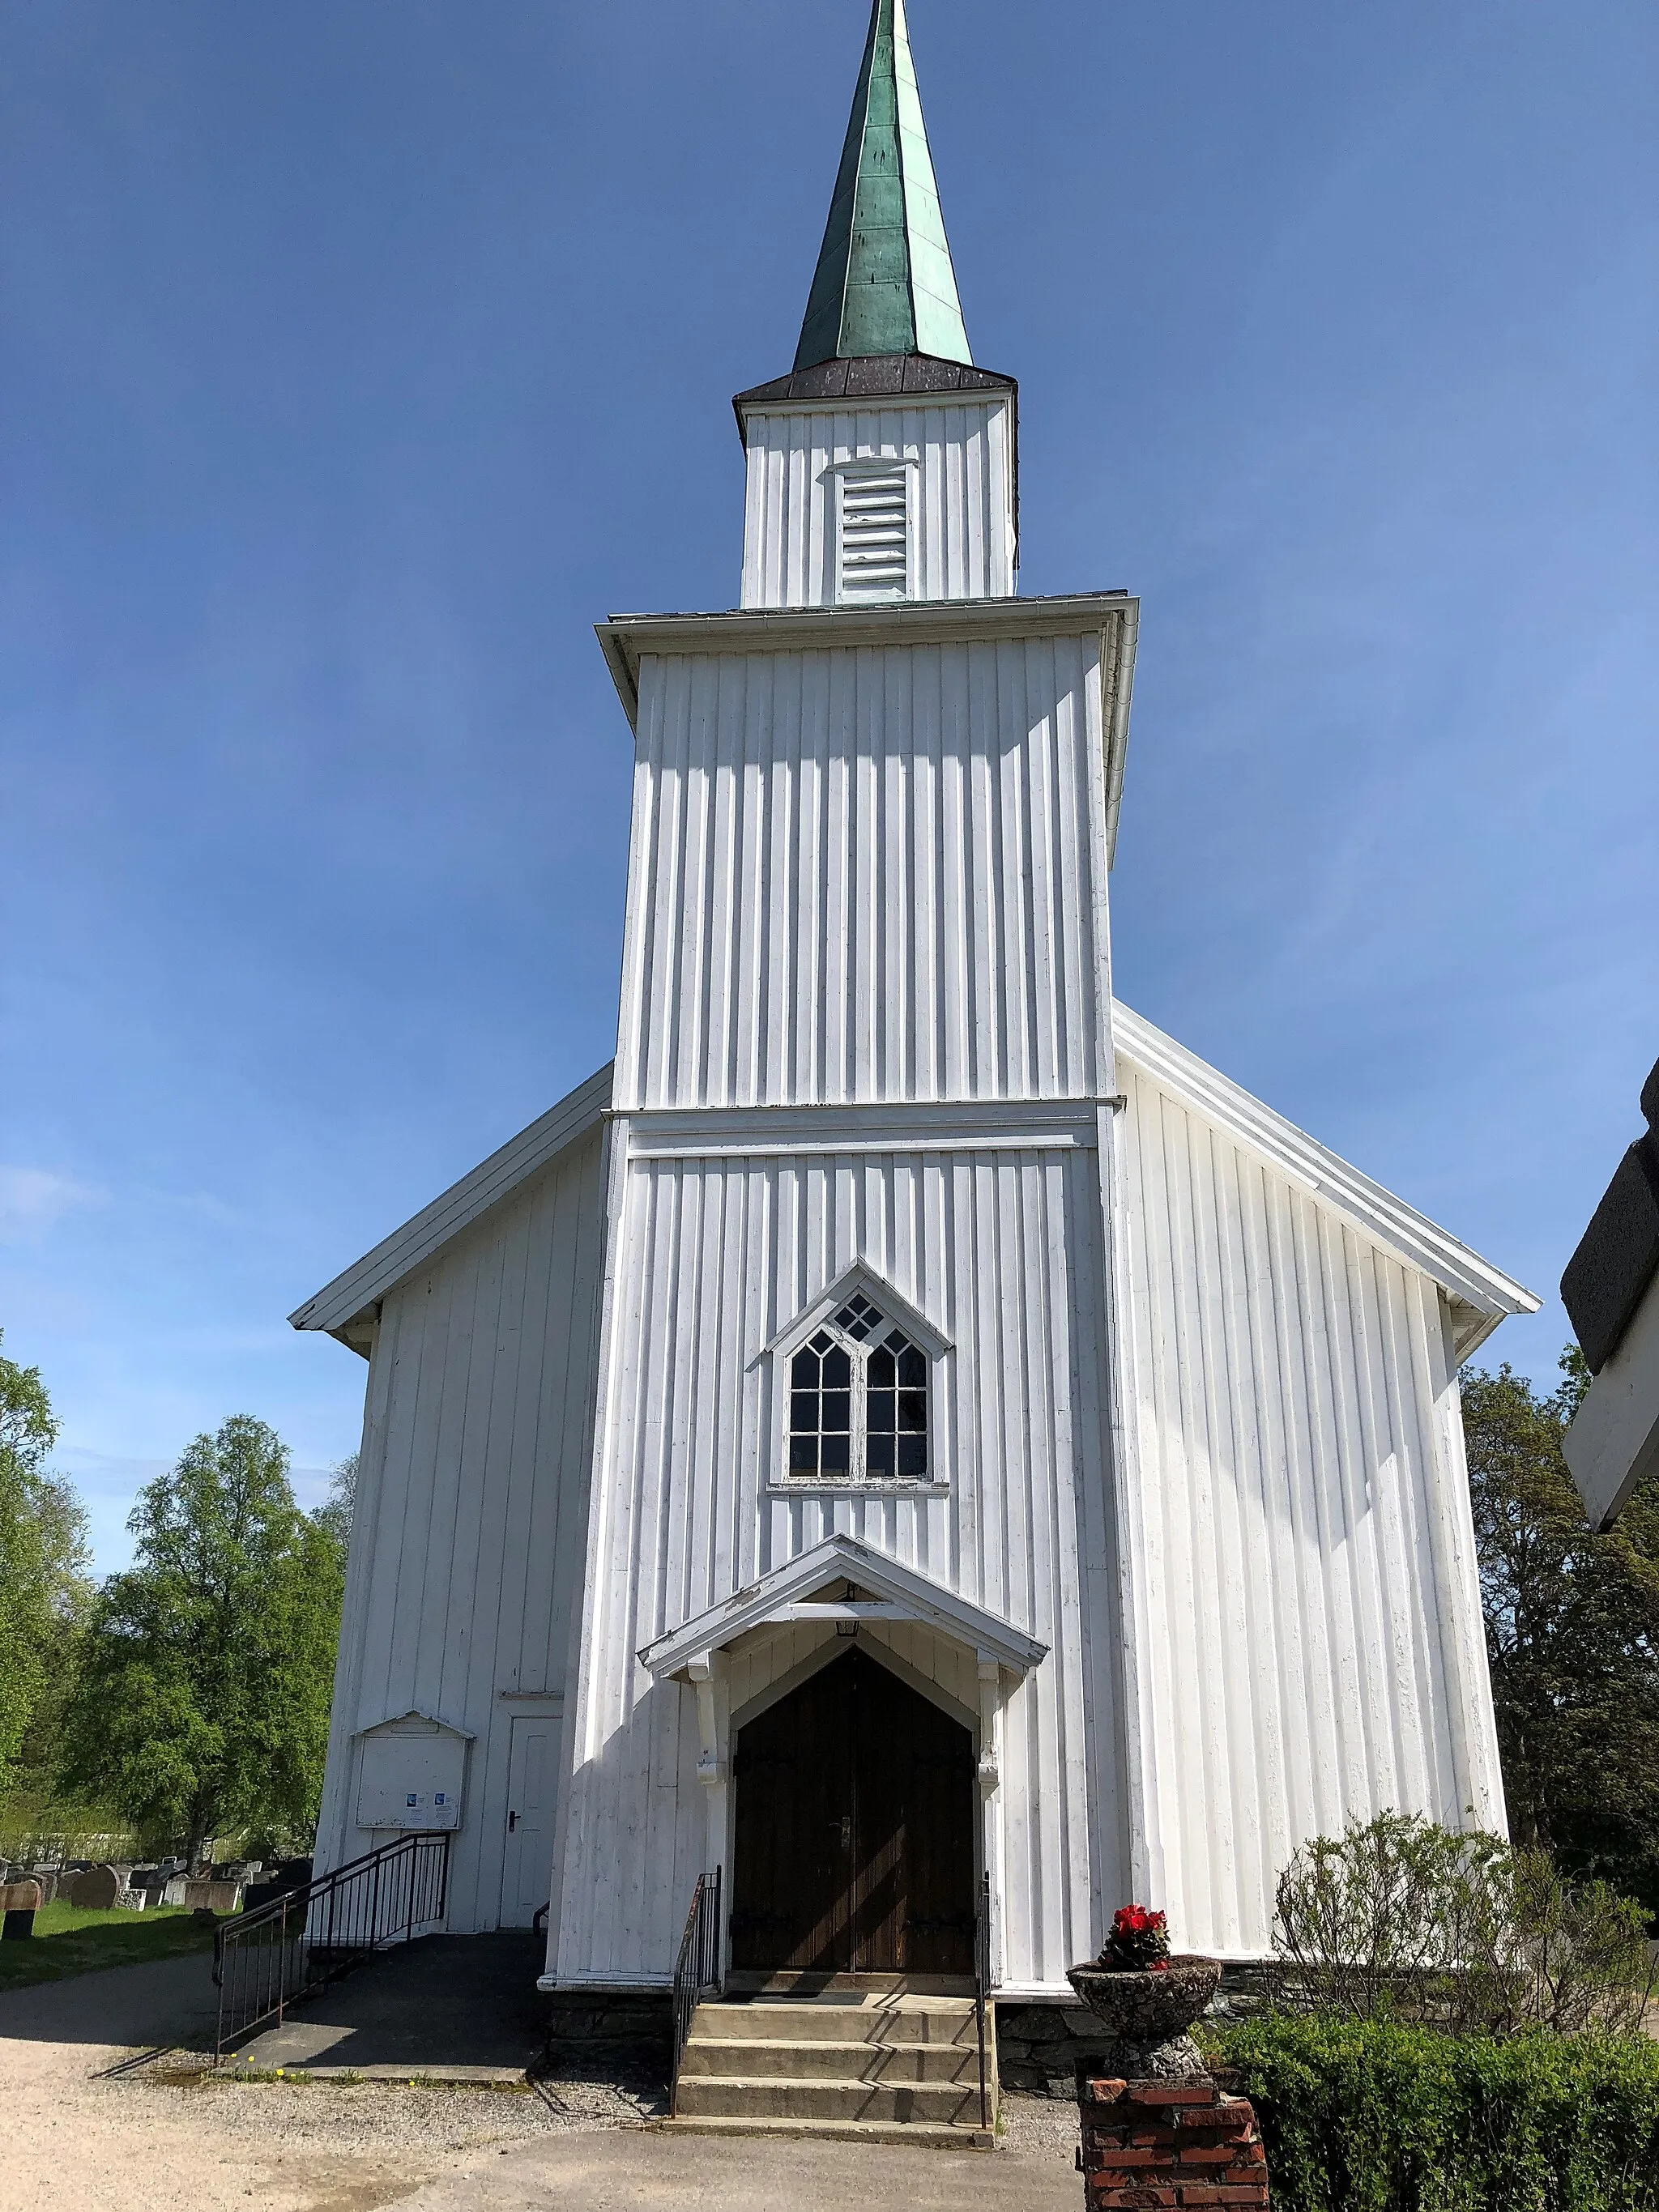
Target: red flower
(1139,1941)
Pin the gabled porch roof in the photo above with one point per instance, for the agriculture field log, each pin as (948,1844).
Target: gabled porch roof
(900,1593)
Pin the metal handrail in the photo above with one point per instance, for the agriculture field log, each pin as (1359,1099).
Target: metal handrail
(982,1986)
(696,1969)
(265,1960)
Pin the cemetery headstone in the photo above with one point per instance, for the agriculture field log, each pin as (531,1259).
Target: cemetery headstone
(21,1901)
(96,1890)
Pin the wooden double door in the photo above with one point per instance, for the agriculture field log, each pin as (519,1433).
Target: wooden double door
(854,1818)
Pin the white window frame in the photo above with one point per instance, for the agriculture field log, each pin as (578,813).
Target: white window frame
(840,475)
(897,1312)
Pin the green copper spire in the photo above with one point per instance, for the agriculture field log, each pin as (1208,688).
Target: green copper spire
(884,283)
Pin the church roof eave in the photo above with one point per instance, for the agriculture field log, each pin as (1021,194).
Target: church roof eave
(872,376)
(1481,1295)
(344,1307)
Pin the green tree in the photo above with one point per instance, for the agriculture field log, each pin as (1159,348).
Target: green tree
(43,1588)
(1573,1636)
(201,1707)
(336,1512)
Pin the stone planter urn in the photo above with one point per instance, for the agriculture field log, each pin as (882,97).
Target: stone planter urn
(1147,2013)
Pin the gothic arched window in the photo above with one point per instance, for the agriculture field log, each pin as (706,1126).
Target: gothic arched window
(858,1404)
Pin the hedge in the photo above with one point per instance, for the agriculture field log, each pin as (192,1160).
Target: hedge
(1368,2116)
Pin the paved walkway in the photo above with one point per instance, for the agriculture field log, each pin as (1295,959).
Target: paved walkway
(446,2004)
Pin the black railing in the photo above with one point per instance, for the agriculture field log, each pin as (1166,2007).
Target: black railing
(982,2002)
(696,1969)
(265,1960)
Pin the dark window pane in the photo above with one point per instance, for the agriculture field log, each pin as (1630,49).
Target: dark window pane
(913,1409)
(804,1412)
(881,1413)
(837,1455)
(803,1369)
(838,1370)
(858,1317)
(913,1369)
(803,1455)
(837,1410)
(881,1370)
(912,1456)
(880,1457)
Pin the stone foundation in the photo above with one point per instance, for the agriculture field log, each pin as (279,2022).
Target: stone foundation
(1040,2046)
(1169,2143)
(623,2034)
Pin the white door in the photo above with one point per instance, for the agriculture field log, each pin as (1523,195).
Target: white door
(532,1769)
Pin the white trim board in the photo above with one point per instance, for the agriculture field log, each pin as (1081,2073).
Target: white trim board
(769,1132)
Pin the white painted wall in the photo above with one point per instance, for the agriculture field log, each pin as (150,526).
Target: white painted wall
(1001,1250)
(1302,1617)
(467,1546)
(960,458)
(867,874)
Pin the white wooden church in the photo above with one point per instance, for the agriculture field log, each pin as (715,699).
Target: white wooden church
(906,1420)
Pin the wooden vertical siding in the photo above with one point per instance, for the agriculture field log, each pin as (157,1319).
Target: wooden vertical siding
(467,1547)
(1299,1557)
(962,496)
(867,875)
(1002,1250)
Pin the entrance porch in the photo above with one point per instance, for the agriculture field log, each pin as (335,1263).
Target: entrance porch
(850,1713)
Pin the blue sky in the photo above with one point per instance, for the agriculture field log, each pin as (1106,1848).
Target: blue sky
(357,357)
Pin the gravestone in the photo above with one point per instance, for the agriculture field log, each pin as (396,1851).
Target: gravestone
(19,1903)
(96,1890)
(213,1896)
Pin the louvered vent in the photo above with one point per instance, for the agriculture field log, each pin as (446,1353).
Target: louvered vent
(873,526)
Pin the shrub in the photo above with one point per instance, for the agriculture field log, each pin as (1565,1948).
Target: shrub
(1399,1919)
(1374,2117)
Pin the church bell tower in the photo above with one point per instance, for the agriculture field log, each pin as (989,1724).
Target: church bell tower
(883,466)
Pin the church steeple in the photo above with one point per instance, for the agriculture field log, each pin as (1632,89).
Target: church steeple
(884,283)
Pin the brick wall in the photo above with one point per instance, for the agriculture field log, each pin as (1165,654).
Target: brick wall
(1170,2144)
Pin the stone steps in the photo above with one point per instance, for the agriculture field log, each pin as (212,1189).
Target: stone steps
(877,2060)
(750,2056)
(923,2020)
(911,2134)
(788,2097)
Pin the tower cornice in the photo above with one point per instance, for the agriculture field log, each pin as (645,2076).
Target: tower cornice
(627,640)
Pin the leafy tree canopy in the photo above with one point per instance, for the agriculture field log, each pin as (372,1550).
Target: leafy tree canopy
(1573,1636)
(43,1588)
(201,1704)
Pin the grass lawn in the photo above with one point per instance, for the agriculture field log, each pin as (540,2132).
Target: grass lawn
(67,1940)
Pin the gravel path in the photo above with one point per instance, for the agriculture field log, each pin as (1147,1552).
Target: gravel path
(81,2138)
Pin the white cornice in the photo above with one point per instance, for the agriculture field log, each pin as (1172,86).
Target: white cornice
(625,640)
(901,1126)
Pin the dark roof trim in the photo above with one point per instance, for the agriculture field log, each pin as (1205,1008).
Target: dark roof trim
(873,376)
(1618,1255)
